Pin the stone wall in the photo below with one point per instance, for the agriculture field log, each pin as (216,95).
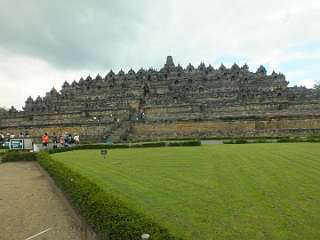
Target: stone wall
(228,128)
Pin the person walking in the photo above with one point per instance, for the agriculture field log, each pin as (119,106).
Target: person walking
(66,140)
(1,138)
(55,141)
(76,139)
(61,141)
(45,140)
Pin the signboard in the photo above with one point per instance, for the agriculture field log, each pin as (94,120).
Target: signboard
(104,152)
(16,144)
(27,144)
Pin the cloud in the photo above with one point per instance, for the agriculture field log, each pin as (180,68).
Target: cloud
(23,76)
(72,34)
(309,83)
(65,39)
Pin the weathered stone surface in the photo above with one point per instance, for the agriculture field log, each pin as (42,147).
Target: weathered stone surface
(172,102)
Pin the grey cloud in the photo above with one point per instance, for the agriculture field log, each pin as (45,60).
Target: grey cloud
(101,34)
(98,35)
(72,34)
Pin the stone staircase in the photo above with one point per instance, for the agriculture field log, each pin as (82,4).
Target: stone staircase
(120,131)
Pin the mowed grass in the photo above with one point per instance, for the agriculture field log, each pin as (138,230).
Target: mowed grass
(253,191)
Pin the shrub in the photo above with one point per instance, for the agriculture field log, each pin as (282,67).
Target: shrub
(150,144)
(313,139)
(240,141)
(260,140)
(184,143)
(132,145)
(15,156)
(3,151)
(235,141)
(107,215)
(291,139)
(88,146)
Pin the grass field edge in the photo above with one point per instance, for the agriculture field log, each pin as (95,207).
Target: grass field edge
(108,216)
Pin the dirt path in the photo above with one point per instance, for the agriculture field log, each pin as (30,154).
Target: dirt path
(29,204)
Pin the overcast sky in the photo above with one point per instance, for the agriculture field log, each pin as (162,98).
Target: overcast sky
(43,43)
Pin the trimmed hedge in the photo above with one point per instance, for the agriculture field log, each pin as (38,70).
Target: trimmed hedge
(14,156)
(240,141)
(236,141)
(148,144)
(310,139)
(163,139)
(262,140)
(107,215)
(134,145)
(85,147)
(313,139)
(184,143)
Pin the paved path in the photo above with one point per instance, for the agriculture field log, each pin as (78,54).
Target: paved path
(29,205)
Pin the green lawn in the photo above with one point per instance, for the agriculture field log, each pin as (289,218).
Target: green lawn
(253,191)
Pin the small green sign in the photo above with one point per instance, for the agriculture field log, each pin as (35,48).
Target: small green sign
(104,152)
(16,144)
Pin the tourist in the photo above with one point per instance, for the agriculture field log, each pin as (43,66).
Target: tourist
(70,139)
(8,137)
(61,140)
(66,140)
(55,141)
(45,140)
(1,138)
(76,139)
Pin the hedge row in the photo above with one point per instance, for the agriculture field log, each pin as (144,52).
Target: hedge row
(107,215)
(299,139)
(184,143)
(14,156)
(132,145)
(277,140)
(235,141)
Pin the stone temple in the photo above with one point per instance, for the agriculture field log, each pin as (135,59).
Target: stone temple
(174,102)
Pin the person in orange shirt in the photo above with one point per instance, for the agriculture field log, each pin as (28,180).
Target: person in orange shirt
(45,140)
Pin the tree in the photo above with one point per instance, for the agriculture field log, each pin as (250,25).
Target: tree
(317,85)
(3,111)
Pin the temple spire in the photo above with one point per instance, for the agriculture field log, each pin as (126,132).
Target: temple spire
(169,63)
